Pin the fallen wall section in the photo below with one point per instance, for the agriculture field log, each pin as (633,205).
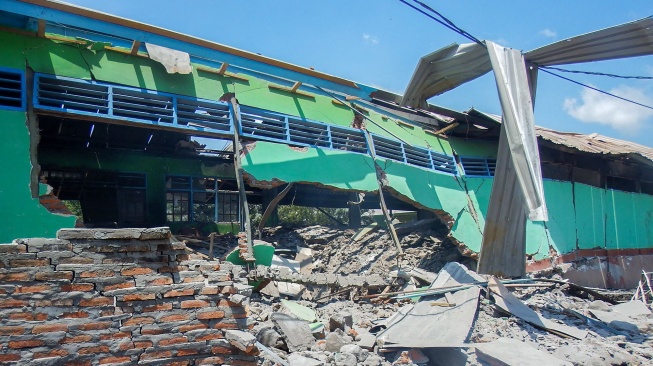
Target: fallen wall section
(117,296)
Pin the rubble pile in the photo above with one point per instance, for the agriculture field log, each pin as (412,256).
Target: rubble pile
(434,310)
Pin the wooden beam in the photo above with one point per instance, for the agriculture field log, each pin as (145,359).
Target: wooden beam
(295,86)
(41,28)
(443,130)
(127,51)
(222,71)
(135,46)
(273,204)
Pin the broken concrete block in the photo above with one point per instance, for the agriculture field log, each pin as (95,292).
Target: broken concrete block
(511,352)
(295,332)
(341,320)
(318,329)
(335,340)
(241,340)
(345,359)
(300,311)
(355,350)
(295,359)
(367,340)
(269,337)
(410,357)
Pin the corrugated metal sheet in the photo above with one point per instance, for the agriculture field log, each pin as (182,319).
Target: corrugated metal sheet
(621,41)
(444,70)
(594,143)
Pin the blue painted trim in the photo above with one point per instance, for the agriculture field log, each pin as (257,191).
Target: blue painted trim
(61,17)
(23,89)
(481,162)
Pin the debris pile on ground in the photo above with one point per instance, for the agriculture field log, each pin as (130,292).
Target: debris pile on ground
(433,310)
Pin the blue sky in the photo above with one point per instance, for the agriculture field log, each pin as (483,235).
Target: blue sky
(379,42)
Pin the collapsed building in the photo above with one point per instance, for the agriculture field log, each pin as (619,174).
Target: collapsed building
(145,127)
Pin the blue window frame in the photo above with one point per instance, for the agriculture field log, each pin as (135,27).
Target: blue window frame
(477,166)
(12,89)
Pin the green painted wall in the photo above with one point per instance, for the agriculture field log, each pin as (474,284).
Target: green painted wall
(154,167)
(580,216)
(22,215)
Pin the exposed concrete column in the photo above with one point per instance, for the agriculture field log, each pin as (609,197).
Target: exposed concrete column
(354,211)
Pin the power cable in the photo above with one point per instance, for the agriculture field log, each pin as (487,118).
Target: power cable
(596,89)
(596,73)
(457,29)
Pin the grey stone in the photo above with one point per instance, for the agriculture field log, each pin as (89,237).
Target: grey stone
(511,352)
(345,359)
(355,350)
(341,320)
(595,354)
(599,305)
(295,359)
(295,332)
(241,340)
(367,340)
(269,337)
(335,340)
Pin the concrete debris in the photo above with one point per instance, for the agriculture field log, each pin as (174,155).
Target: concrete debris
(241,340)
(174,61)
(351,325)
(295,332)
(511,352)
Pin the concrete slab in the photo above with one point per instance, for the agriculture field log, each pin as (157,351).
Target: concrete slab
(511,352)
(295,332)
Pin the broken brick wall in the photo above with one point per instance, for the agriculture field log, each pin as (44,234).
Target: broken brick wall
(122,296)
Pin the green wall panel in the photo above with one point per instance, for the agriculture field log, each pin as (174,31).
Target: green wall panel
(590,216)
(22,215)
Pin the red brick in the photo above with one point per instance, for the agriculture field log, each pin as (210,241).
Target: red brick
(8,357)
(47,328)
(52,353)
(228,303)
(136,271)
(138,321)
(95,326)
(210,315)
(242,363)
(210,361)
(53,276)
(97,273)
(198,278)
(93,350)
(13,248)
(161,281)
(28,316)
(75,315)
(143,344)
(139,297)
(171,341)
(11,330)
(209,291)
(122,359)
(225,326)
(79,363)
(76,260)
(175,318)
(173,269)
(96,301)
(161,307)
(177,293)
(124,346)
(83,287)
(61,302)
(8,277)
(188,328)
(186,352)
(77,339)
(26,344)
(155,355)
(12,303)
(191,304)
(29,262)
(121,285)
(208,337)
(153,331)
(118,335)
(218,350)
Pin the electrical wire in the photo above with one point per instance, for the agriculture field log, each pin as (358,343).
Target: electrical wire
(596,73)
(457,29)
(596,89)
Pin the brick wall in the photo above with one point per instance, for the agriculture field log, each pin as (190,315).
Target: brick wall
(118,297)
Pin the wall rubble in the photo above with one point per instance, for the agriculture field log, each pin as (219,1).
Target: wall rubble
(123,296)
